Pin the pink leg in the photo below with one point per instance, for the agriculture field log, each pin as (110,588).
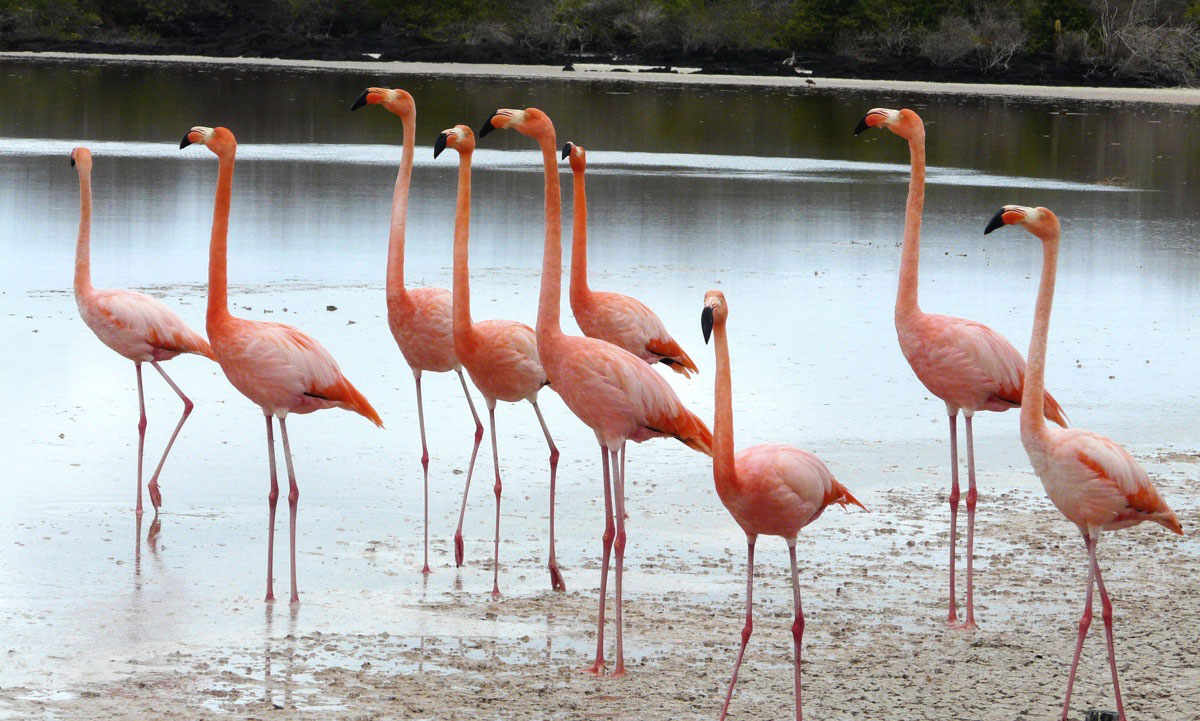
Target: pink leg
(155,495)
(749,627)
(141,434)
(462,511)
(495,489)
(1084,622)
(1106,613)
(293,500)
(798,624)
(972,496)
(952,619)
(556,580)
(607,541)
(272,498)
(619,547)
(424,463)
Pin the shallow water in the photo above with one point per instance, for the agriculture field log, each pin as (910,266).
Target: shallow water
(764,194)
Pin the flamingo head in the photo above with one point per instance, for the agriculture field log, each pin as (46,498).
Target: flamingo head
(904,123)
(715,312)
(81,159)
(530,121)
(459,137)
(577,155)
(218,140)
(1040,221)
(396,100)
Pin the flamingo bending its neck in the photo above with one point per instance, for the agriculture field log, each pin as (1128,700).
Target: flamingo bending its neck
(619,319)
(421,319)
(276,366)
(501,356)
(1090,479)
(611,390)
(969,366)
(133,324)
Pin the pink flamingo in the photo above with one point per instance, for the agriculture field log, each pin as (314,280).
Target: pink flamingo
(501,356)
(1090,479)
(770,489)
(421,319)
(966,364)
(610,389)
(135,325)
(276,366)
(623,321)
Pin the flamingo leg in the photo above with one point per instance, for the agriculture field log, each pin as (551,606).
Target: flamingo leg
(972,496)
(155,495)
(619,547)
(293,500)
(491,404)
(798,624)
(141,433)
(462,511)
(424,464)
(272,498)
(749,627)
(556,580)
(1106,613)
(607,541)
(1084,622)
(952,619)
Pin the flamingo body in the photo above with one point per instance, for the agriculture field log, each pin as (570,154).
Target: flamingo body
(422,322)
(138,326)
(778,490)
(502,359)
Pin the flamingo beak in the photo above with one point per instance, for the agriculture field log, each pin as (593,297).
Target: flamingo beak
(362,100)
(997,221)
(185,142)
(440,144)
(72,160)
(706,322)
(567,149)
(487,125)
(862,125)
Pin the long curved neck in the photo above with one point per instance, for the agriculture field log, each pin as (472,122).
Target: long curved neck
(579,283)
(395,259)
(83,250)
(462,273)
(551,292)
(723,468)
(906,293)
(218,298)
(1033,394)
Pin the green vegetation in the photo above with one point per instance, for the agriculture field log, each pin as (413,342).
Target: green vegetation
(1151,40)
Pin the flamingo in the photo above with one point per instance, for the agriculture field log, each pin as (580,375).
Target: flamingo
(623,321)
(276,366)
(1090,479)
(969,366)
(611,390)
(421,319)
(501,356)
(769,489)
(133,324)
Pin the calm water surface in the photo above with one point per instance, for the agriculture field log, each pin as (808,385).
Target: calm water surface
(763,193)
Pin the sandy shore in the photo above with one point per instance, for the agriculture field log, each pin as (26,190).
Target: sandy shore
(1168,96)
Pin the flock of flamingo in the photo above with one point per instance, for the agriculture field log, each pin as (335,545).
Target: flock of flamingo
(606,379)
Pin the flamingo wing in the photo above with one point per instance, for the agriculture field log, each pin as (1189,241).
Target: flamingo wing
(1120,480)
(629,323)
(146,318)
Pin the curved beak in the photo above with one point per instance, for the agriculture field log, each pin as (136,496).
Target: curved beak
(362,100)
(862,125)
(185,142)
(997,221)
(567,149)
(706,322)
(72,161)
(440,144)
(487,125)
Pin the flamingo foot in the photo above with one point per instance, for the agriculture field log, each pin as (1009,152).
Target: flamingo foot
(295,599)
(596,669)
(619,671)
(155,497)
(270,596)
(496,593)
(426,570)
(556,579)
(964,626)
(458,550)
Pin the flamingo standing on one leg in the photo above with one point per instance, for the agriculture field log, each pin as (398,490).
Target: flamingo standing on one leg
(966,364)
(623,321)
(276,366)
(421,319)
(769,489)
(501,356)
(610,389)
(135,325)
(1093,481)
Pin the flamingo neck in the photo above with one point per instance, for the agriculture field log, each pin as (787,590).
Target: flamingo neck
(395,259)
(548,326)
(579,283)
(462,273)
(83,244)
(1033,394)
(723,467)
(906,293)
(218,298)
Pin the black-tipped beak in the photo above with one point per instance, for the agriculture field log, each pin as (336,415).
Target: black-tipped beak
(440,144)
(487,126)
(185,142)
(72,161)
(362,100)
(996,222)
(567,149)
(706,322)
(862,125)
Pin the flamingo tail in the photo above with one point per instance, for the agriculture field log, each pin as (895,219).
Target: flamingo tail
(347,396)
(1053,411)
(841,495)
